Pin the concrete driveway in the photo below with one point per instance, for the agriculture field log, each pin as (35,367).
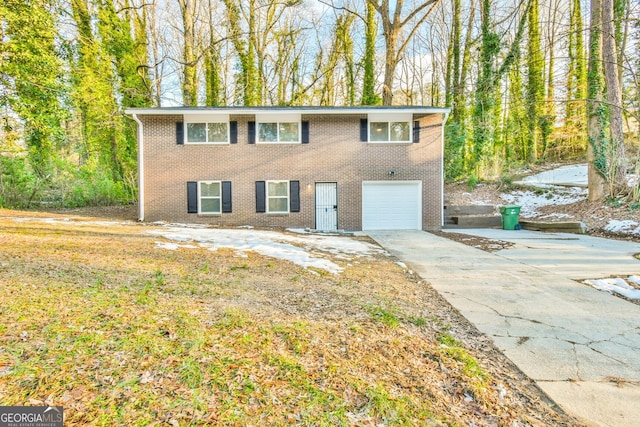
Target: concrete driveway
(580,345)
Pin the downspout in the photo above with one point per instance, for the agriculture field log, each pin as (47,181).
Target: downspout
(140,169)
(444,122)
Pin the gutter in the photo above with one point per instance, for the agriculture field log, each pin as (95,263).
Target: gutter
(444,122)
(140,168)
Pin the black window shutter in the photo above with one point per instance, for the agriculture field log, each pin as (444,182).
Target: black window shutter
(180,133)
(260,197)
(305,132)
(252,132)
(233,132)
(364,134)
(294,194)
(192,197)
(226,196)
(416,131)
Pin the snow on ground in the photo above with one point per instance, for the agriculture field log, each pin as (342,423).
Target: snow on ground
(306,251)
(560,186)
(624,227)
(572,175)
(530,201)
(618,286)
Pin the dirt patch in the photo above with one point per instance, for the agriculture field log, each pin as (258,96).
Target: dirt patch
(122,213)
(485,244)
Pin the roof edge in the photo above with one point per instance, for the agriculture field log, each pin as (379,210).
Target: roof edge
(305,110)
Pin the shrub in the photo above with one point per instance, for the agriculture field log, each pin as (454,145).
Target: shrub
(94,188)
(472,182)
(506,183)
(74,187)
(18,184)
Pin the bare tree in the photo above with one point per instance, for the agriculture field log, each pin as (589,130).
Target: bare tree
(394,21)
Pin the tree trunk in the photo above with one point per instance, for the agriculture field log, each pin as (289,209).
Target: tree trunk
(190,71)
(535,85)
(459,113)
(617,163)
(390,64)
(575,111)
(452,75)
(489,80)
(369,96)
(595,151)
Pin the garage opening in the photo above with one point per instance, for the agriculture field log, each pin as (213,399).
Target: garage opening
(392,205)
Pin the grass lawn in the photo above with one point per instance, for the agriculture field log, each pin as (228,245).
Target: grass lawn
(96,318)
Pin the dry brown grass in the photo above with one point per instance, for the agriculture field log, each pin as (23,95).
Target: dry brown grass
(97,319)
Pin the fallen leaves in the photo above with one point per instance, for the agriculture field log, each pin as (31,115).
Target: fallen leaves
(97,320)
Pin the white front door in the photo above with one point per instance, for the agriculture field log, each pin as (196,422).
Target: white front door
(326,206)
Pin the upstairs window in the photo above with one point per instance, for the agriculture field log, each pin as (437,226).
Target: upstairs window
(390,132)
(273,129)
(390,128)
(207,129)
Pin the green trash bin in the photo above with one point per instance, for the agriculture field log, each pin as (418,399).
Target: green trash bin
(510,214)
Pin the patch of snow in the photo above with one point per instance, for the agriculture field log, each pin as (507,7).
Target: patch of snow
(634,279)
(556,215)
(530,201)
(177,224)
(299,230)
(301,250)
(626,226)
(616,285)
(565,175)
(173,246)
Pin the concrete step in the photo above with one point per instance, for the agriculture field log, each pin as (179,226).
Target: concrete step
(575,227)
(458,210)
(477,221)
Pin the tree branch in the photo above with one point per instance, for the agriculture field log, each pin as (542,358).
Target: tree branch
(404,44)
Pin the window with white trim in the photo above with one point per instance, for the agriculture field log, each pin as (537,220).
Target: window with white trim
(209,197)
(390,128)
(277,193)
(273,129)
(207,129)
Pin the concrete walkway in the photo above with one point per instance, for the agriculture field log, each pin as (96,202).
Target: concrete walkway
(581,346)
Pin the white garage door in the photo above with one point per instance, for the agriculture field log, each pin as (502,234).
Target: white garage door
(392,205)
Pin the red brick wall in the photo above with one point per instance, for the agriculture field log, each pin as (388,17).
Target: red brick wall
(334,154)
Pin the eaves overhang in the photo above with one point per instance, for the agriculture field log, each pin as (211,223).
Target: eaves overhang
(417,111)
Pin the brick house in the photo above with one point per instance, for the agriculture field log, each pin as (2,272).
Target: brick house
(324,168)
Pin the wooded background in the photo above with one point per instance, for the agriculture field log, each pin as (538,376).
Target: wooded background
(527,81)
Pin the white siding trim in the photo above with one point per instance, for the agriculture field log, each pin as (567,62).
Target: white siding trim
(206,118)
(390,117)
(140,168)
